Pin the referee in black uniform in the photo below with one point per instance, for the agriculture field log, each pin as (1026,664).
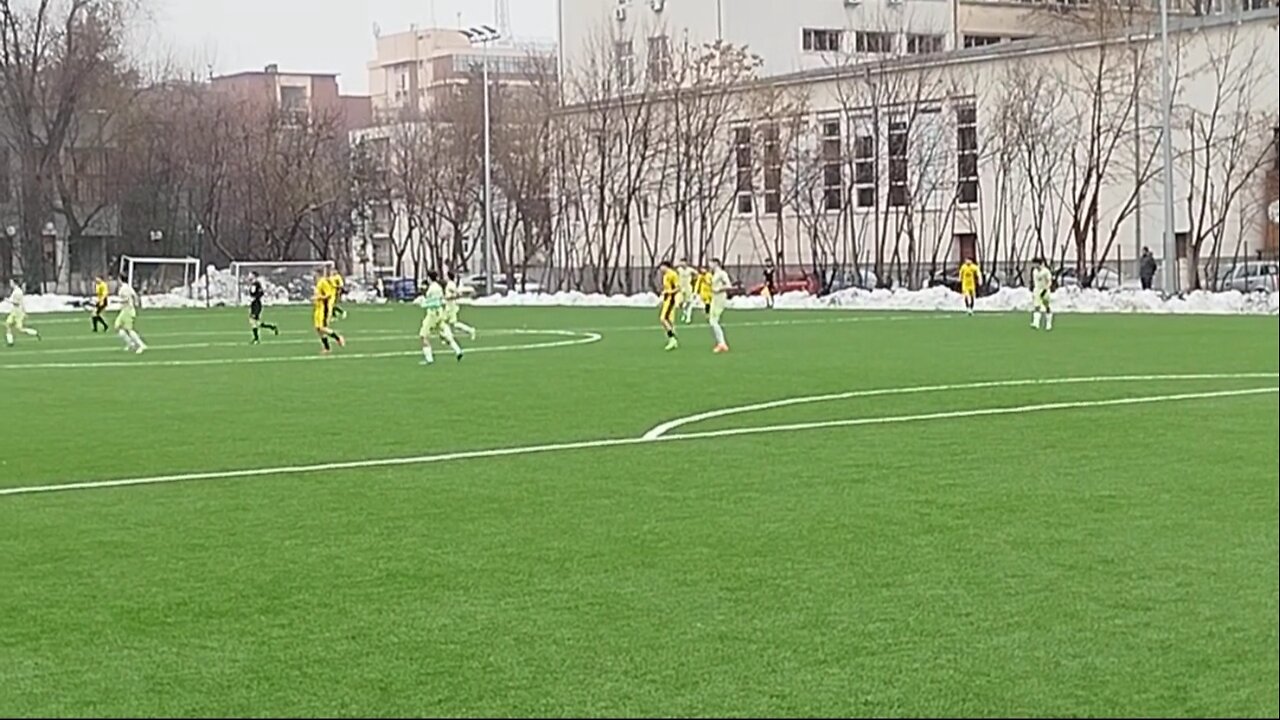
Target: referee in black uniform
(255,309)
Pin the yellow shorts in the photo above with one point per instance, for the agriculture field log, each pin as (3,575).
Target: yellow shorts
(668,311)
(320,316)
(969,291)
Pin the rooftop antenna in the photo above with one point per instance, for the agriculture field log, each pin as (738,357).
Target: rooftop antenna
(502,16)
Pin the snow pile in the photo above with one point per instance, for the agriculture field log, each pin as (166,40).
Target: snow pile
(1070,299)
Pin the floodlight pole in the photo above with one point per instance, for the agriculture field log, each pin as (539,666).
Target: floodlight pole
(1166,103)
(486,35)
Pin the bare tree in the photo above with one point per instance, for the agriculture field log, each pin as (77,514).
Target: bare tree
(53,56)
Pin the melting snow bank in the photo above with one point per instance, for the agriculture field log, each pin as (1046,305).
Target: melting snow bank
(223,292)
(940,299)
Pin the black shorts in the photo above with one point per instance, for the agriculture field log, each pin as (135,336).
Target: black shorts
(255,311)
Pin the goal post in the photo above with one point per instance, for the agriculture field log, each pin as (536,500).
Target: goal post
(283,281)
(161,275)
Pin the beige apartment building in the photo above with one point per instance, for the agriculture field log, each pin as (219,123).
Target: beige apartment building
(413,69)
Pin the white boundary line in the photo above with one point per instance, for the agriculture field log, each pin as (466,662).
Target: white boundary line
(576,338)
(666,427)
(618,442)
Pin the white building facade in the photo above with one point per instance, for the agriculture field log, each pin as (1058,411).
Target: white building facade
(1045,147)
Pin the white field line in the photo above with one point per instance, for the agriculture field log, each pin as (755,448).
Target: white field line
(110,343)
(619,442)
(574,339)
(660,430)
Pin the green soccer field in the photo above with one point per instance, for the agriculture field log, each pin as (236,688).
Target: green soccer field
(848,514)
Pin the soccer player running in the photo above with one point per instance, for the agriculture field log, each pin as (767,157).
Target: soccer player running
(686,273)
(451,295)
(670,298)
(16,322)
(100,292)
(720,284)
(970,276)
(703,286)
(769,287)
(129,304)
(339,289)
(435,319)
(255,309)
(1041,288)
(322,308)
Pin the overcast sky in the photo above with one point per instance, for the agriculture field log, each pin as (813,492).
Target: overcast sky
(316,35)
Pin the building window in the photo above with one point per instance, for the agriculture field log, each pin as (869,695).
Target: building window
(742,161)
(821,40)
(866,173)
(924,44)
(874,42)
(967,154)
(772,169)
(973,41)
(89,181)
(624,59)
(899,145)
(659,65)
(832,166)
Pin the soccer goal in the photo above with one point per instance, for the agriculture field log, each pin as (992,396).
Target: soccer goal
(161,275)
(284,281)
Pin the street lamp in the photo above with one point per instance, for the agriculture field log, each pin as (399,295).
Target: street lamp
(485,35)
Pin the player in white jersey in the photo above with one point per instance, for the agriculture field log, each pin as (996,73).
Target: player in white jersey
(129,304)
(1041,289)
(16,322)
(720,284)
(451,294)
(434,320)
(688,298)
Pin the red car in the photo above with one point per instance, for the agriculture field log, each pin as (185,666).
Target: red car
(803,282)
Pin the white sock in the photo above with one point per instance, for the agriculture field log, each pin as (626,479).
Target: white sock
(1035,319)
(30,331)
(427,354)
(453,345)
(719,332)
(8,336)
(137,340)
(1048,321)
(128,341)
(465,328)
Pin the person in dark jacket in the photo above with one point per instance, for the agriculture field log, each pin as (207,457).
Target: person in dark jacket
(1147,268)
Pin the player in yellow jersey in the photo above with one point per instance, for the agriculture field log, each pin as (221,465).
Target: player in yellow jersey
(322,309)
(970,276)
(703,287)
(670,299)
(100,293)
(339,289)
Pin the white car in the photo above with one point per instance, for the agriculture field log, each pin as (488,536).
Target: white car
(500,284)
(1250,277)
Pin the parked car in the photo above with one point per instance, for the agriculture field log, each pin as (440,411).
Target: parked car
(399,289)
(803,282)
(1251,276)
(864,279)
(1103,279)
(500,284)
(950,279)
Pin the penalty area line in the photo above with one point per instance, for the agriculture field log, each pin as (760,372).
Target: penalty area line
(622,442)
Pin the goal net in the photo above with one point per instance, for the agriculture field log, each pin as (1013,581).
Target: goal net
(286,281)
(161,275)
